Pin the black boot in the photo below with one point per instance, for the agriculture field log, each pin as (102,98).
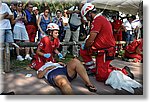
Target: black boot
(130,74)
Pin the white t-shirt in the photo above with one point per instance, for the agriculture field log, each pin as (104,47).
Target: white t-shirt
(127,25)
(136,23)
(48,64)
(5,23)
(65,19)
(75,18)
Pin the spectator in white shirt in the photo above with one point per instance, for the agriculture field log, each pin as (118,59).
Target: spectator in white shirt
(136,25)
(5,25)
(128,29)
(65,21)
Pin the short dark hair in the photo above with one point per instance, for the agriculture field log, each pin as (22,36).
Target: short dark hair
(14,3)
(46,8)
(133,17)
(19,2)
(114,17)
(29,3)
(58,11)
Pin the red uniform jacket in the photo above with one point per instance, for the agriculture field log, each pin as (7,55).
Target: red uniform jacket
(104,38)
(116,26)
(47,46)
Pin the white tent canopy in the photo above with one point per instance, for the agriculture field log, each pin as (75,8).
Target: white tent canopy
(126,6)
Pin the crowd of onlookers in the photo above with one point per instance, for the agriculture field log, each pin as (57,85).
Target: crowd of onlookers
(26,24)
(126,29)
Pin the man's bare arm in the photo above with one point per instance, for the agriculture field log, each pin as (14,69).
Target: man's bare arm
(90,40)
(9,17)
(3,16)
(71,11)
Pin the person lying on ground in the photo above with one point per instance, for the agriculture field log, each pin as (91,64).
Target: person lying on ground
(60,75)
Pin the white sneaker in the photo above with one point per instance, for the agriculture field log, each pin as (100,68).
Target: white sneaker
(20,58)
(28,57)
(75,56)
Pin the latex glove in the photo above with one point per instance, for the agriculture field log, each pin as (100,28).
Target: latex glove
(83,46)
(47,55)
(60,56)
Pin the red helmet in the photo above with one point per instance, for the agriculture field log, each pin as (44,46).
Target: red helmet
(52,26)
(86,8)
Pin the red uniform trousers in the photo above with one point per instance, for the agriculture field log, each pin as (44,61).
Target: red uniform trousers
(39,61)
(118,37)
(133,55)
(103,67)
(31,30)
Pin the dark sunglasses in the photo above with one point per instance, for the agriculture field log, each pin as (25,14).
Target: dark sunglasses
(19,6)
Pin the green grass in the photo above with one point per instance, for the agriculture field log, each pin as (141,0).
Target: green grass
(19,65)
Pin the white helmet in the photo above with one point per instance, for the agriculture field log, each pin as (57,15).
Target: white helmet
(86,8)
(52,26)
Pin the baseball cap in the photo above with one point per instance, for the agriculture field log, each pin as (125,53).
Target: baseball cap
(35,8)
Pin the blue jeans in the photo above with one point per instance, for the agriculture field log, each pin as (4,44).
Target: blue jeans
(129,36)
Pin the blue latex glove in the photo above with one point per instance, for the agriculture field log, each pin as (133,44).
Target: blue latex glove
(47,55)
(83,46)
(60,56)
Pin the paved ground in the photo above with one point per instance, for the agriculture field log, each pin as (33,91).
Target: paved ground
(20,84)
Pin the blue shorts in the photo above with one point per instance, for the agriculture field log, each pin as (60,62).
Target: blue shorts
(59,71)
(6,36)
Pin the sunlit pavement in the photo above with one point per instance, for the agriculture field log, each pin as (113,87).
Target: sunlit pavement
(20,84)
